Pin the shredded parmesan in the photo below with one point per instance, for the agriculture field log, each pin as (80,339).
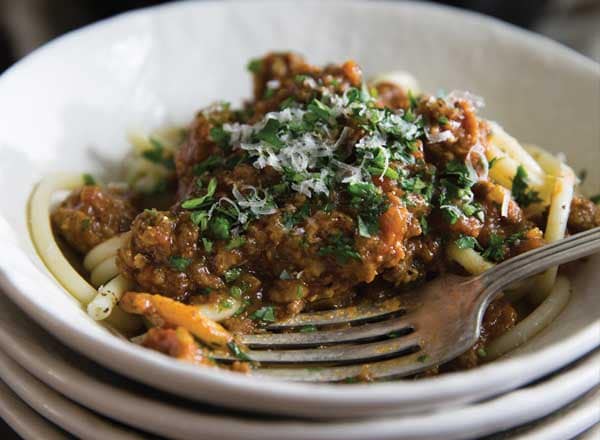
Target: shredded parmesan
(478,150)
(460,95)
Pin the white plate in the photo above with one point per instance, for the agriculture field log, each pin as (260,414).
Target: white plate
(69,105)
(566,423)
(25,421)
(56,408)
(107,394)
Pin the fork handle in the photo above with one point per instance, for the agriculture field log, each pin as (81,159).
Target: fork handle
(537,260)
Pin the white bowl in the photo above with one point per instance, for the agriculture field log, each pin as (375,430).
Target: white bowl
(70,104)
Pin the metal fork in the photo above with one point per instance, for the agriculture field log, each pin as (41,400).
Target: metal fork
(406,334)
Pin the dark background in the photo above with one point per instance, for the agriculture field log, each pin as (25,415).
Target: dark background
(27,24)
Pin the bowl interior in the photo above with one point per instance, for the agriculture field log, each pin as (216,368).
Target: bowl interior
(69,106)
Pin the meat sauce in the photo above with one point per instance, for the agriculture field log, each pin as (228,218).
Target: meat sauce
(287,237)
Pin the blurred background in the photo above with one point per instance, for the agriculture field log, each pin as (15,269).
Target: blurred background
(27,24)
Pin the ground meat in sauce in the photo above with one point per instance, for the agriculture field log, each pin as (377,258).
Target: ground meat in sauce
(313,251)
(91,215)
(584,215)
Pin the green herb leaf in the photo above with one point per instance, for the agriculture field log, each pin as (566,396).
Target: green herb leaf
(199,201)
(424,225)
(308,329)
(285,275)
(341,248)
(235,243)
(179,263)
(493,161)
(235,291)
(232,274)
(467,242)
(287,102)
(595,199)
(320,110)
(219,227)
(451,213)
(208,245)
(268,133)
(209,164)
(443,120)
(265,314)
(88,179)
(495,249)
(85,224)
(363,229)
(200,218)
(237,352)
(255,65)
(520,192)
(220,137)
(423,358)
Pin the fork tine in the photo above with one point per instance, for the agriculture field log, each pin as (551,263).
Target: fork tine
(390,328)
(339,354)
(389,369)
(353,314)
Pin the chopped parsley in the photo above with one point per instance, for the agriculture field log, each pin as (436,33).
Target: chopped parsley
(290,219)
(157,155)
(269,135)
(179,263)
(443,120)
(424,225)
(219,228)
(369,203)
(285,275)
(341,248)
(235,243)
(467,242)
(521,194)
(220,137)
(235,291)
(493,161)
(495,250)
(423,358)
(226,303)
(85,224)
(88,179)
(208,245)
(451,213)
(264,314)
(308,329)
(200,201)
(232,274)
(208,164)
(254,65)
(237,352)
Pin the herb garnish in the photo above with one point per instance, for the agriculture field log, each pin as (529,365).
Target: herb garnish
(523,196)
(179,263)
(88,179)
(197,202)
(467,242)
(237,352)
(495,250)
(265,314)
(232,274)
(341,248)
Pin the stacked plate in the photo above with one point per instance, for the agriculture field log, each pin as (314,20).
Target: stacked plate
(75,394)
(67,107)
